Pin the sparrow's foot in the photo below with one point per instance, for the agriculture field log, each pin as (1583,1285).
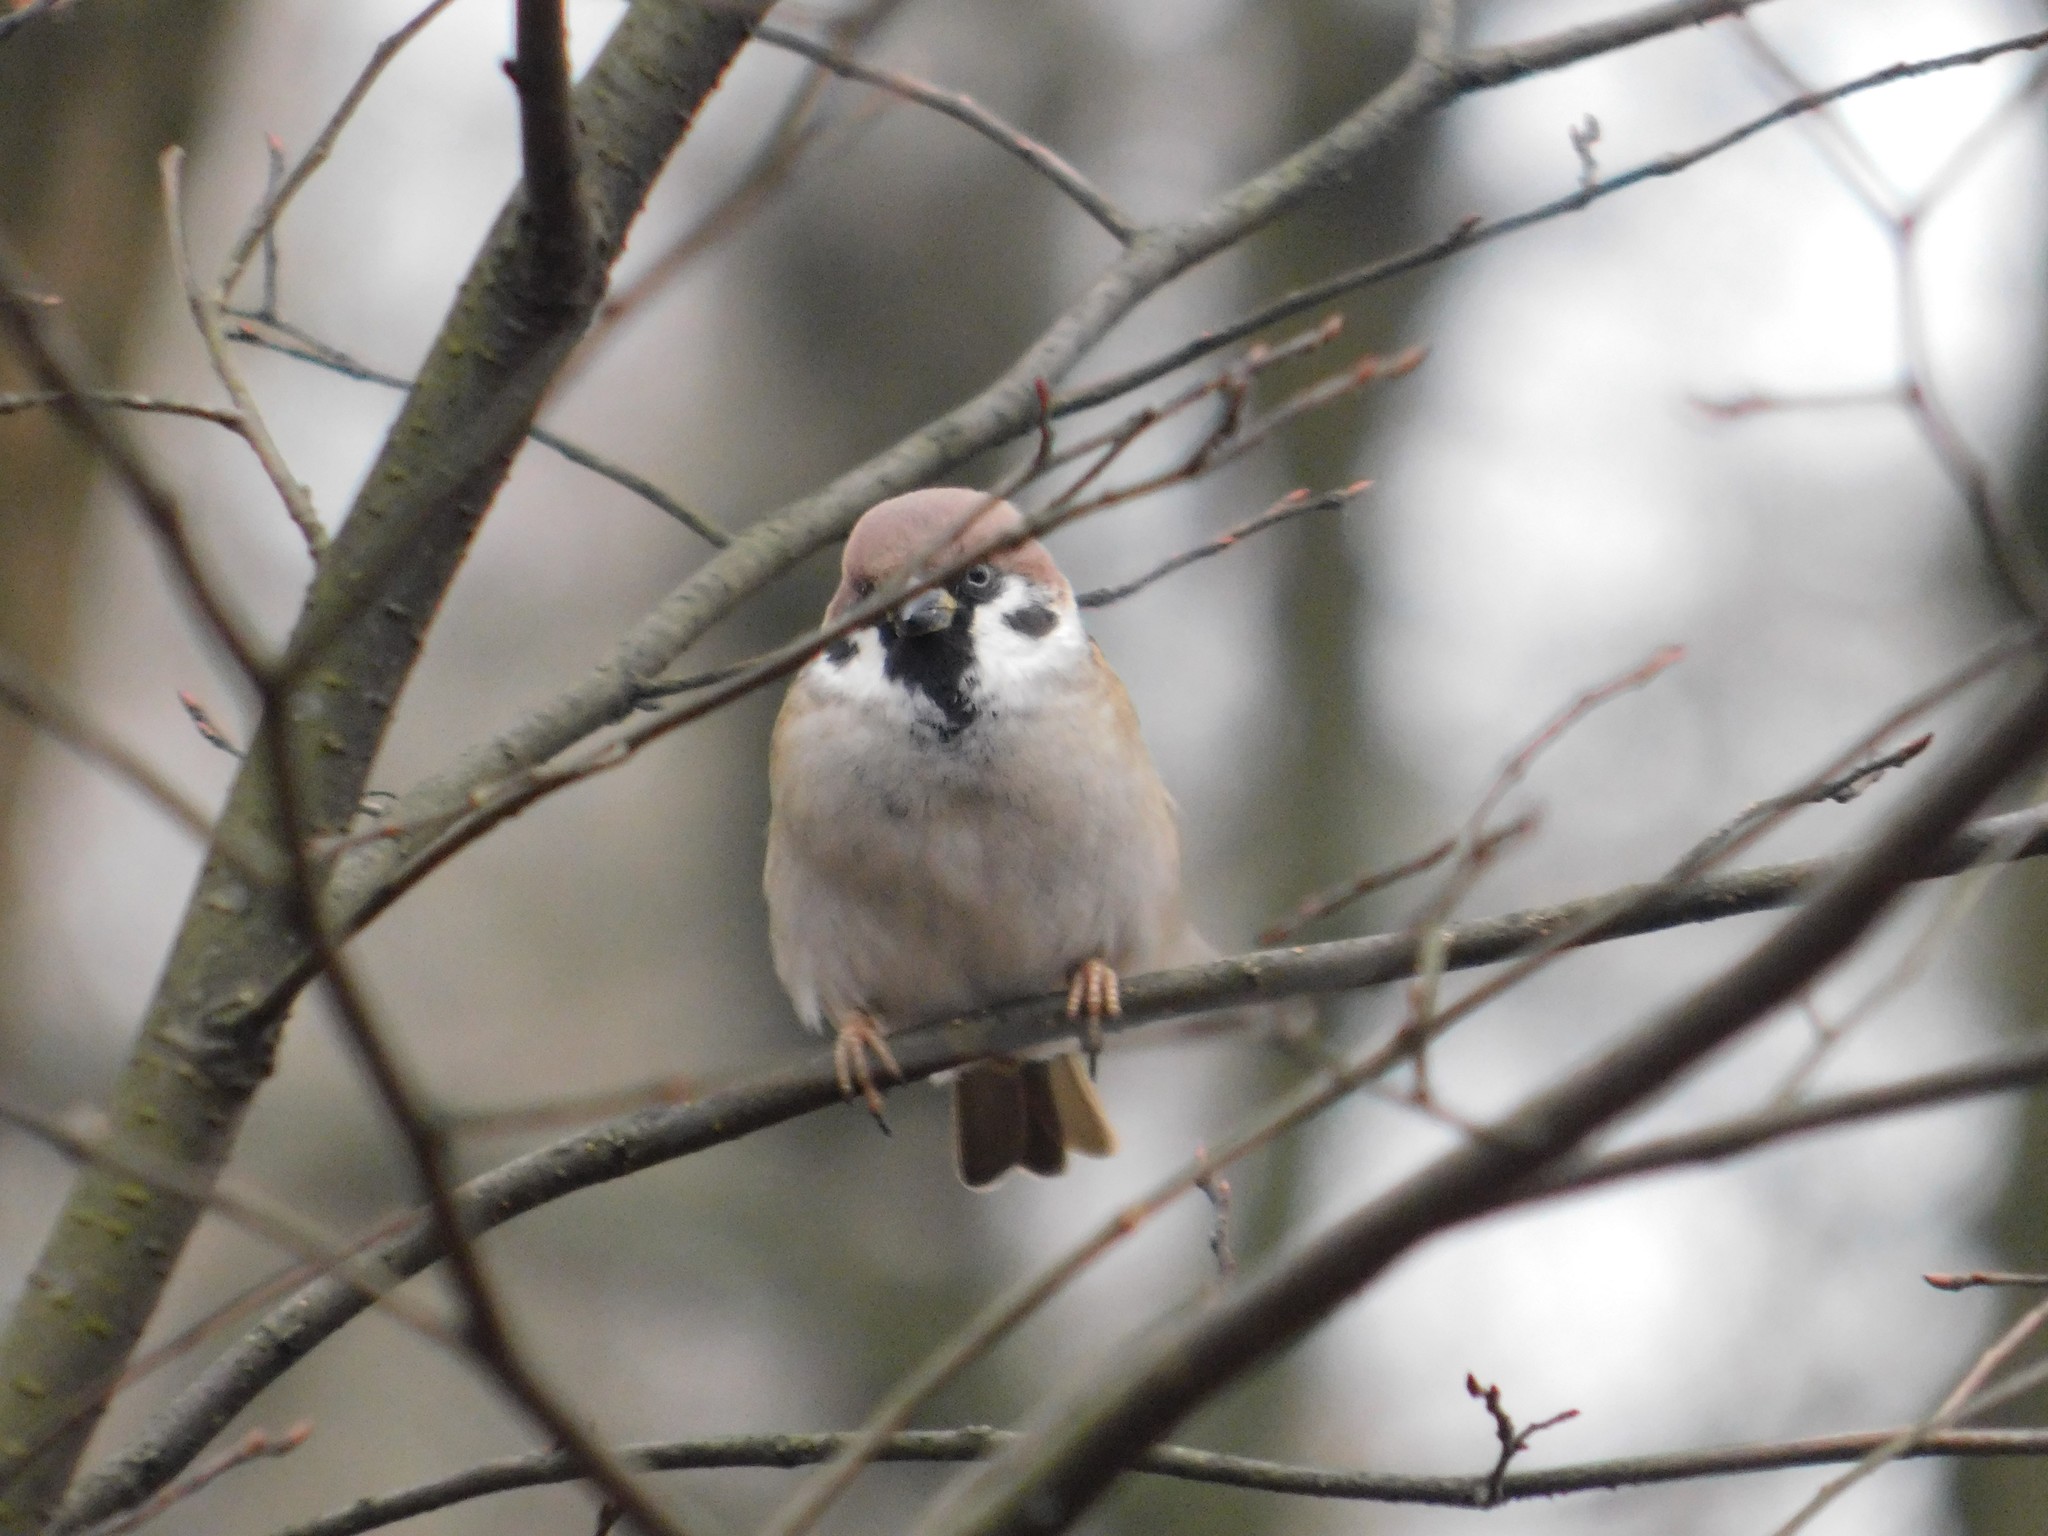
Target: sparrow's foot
(857,1036)
(1092,996)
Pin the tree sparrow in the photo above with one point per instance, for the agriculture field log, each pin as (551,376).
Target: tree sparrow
(962,812)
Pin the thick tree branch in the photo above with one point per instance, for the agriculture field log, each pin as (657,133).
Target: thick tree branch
(649,1137)
(205,1046)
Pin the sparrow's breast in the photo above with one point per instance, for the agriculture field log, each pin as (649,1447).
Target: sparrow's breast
(918,873)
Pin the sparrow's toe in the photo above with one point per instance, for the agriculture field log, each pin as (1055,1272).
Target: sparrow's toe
(1093,994)
(858,1035)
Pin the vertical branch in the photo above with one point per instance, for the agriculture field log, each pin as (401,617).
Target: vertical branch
(547,139)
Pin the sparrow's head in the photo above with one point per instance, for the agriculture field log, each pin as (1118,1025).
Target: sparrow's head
(989,637)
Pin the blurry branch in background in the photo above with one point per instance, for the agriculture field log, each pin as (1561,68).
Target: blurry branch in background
(257,1445)
(1474,231)
(1953,1409)
(589,159)
(615,1149)
(1184,1462)
(29,11)
(263,222)
(208,1039)
(963,108)
(45,708)
(801,136)
(1082,1437)
(2014,561)
(57,360)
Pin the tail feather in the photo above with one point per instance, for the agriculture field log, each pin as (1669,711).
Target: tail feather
(1025,1114)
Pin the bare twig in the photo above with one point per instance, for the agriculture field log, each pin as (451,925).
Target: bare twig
(1952,1409)
(1475,231)
(1337,897)
(257,1445)
(298,501)
(1182,1462)
(1977,1277)
(965,109)
(283,190)
(256,329)
(1514,1439)
(126,400)
(1294,504)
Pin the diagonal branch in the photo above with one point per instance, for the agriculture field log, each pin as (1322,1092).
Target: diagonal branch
(1007,408)
(650,1137)
(1079,1442)
(211,1030)
(963,108)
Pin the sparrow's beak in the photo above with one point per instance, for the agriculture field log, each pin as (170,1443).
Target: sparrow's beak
(925,614)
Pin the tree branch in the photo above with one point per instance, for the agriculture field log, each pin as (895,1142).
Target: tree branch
(204,1047)
(963,108)
(1175,1461)
(547,139)
(650,1137)
(1080,1441)
(1005,409)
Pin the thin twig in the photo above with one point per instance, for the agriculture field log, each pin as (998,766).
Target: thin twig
(293,342)
(1294,504)
(220,416)
(56,359)
(965,109)
(1217,1468)
(257,1445)
(1475,231)
(298,501)
(283,190)
(1952,1408)
(1977,1277)
(1514,1439)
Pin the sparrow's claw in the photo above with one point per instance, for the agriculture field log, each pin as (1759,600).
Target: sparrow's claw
(857,1035)
(1092,996)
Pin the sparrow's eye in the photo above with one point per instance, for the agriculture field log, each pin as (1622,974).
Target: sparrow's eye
(978,578)
(863,589)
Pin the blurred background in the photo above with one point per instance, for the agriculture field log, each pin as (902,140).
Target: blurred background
(1551,503)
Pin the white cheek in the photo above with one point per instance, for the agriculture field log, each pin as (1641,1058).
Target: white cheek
(1013,664)
(856,680)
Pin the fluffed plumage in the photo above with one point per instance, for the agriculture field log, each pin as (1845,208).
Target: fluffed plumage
(962,813)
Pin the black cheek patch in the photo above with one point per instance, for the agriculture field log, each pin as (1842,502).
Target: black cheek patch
(1034,623)
(840,651)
